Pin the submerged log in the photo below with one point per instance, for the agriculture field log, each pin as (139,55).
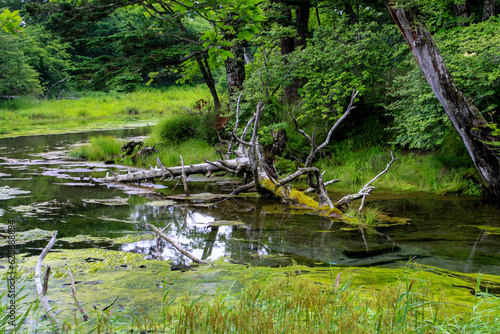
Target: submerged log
(238,164)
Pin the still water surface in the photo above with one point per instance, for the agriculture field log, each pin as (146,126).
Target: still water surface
(40,190)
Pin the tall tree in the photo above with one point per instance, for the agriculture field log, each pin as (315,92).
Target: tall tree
(481,139)
(489,9)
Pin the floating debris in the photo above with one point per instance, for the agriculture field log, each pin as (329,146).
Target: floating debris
(31,210)
(108,201)
(26,236)
(76,184)
(162,203)
(7,192)
(226,223)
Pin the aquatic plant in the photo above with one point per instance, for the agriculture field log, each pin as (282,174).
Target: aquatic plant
(100,148)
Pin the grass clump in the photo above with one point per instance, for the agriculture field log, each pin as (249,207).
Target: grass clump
(99,148)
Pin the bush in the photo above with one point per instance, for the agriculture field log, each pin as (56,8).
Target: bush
(182,127)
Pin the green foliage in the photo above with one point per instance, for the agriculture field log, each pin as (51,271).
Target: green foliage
(48,55)
(17,77)
(419,120)
(100,148)
(472,55)
(339,59)
(178,128)
(11,22)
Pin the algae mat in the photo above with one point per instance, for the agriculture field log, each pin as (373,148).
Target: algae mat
(141,285)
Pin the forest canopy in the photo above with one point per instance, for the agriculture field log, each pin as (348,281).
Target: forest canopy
(299,57)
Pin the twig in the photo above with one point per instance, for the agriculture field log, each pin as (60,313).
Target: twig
(366,190)
(327,183)
(38,283)
(110,304)
(315,149)
(73,289)
(183,175)
(228,154)
(46,281)
(254,150)
(171,191)
(175,244)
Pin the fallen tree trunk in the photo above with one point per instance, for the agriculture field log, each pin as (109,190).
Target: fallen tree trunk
(161,172)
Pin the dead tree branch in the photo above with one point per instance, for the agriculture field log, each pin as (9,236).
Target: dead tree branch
(183,175)
(327,183)
(315,149)
(38,269)
(228,154)
(366,190)
(73,294)
(175,244)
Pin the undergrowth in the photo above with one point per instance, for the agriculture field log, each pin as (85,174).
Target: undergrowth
(411,172)
(287,302)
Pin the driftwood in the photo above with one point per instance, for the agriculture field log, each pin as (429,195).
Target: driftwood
(129,147)
(175,244)
(160,172)
(39,287)
(73,294)
(365,191)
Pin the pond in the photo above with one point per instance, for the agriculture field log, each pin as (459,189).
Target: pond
(41,191)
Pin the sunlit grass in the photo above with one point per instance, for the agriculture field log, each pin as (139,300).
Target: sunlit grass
(291,301)
(287,303)
(23,116)
(411,172)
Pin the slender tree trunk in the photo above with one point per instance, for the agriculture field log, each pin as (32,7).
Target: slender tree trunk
(235,69)
(465,117)
(302,23)
(353,16)
(289,44)
(462,13)
(209,79)
(202,62)
(489,9)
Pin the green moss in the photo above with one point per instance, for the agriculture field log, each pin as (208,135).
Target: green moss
(489,229)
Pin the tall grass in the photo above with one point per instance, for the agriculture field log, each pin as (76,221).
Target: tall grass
(286,302)
(99,148)
(23,115)
(411,172)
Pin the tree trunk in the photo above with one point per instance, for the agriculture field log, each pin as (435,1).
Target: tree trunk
(162,172)
(290,44)
(209,79)
(235,69)
(462,13)
(302,23)
(489,9)
(465,117)
(353,16)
